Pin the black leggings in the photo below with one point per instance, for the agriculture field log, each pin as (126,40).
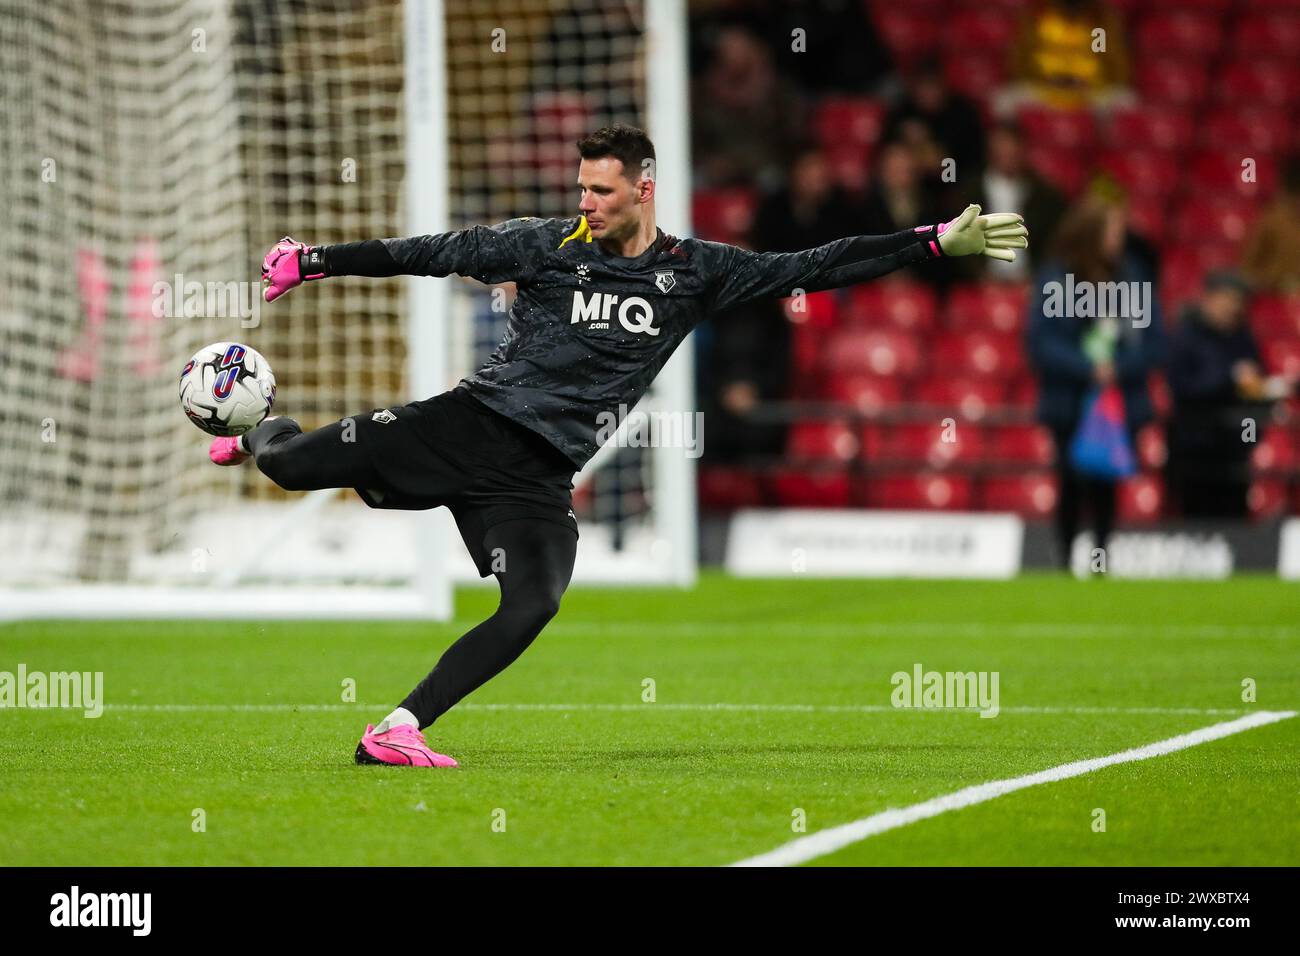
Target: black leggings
(532,561)
(1080,493)
(536,557)
(308,461)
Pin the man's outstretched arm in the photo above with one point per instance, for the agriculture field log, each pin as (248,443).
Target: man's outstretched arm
(750,275)
(500,253)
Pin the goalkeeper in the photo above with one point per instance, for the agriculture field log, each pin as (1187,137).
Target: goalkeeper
(603,300)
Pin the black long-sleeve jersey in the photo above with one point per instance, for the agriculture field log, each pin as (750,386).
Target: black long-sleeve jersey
(589,331)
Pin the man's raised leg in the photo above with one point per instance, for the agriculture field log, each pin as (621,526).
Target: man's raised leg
(295,460)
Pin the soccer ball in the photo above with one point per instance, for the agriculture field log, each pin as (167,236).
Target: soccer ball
(227,389)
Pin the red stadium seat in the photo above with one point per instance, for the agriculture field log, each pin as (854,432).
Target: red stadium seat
(874,351)
(1148,173)
(1150,126)
(1266,499)
(1182,269)
(1275,316)
(726,489)
(980,27)
(1058,129)
(793,488)
(1152,451)
(822,441)
(989,306)
(975,74)
(1172,80)
(1254,131)
(1181,273)
(1022,393)
(905,305)
(1221,173)
(966,398)
(1183,32)
(723,215)
(1010,6)
(868,394)
(1282,356)
(1139,6)
(851,120)
(909,33)
(1141,499)
(871,438)
(923,491)
(807,358)
(1258,82)
(1148,216)
(980,354)
(1215,220)
(1020,445)
(1031,496)
(1277,451)
(1064,168)
(929,444)
(818,310)
(934,8)
(850,166)
(1162,397)
(1267,35)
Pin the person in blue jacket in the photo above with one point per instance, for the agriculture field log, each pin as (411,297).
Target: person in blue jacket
(1093,321)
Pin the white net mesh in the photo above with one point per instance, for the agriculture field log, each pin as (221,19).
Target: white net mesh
(526,80)
(150,151)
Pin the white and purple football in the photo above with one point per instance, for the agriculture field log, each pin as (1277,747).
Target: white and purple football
(227,388)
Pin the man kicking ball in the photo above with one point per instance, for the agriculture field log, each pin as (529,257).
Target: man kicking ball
(603,300)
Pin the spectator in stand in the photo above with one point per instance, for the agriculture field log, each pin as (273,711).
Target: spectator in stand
(1008,182)
(746,123)
(811,211)
(896,199)
(937,123)
(750,356)
(839,52)
(1089,247)
(749,366)
(1217,384)
(1141,250)
(1271,261)
(1054,60)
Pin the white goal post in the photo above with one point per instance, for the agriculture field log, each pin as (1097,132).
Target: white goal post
(152,150)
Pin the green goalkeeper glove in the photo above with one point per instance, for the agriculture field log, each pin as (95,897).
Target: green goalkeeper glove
(996,235)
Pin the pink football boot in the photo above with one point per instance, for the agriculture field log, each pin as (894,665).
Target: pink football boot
(227,451)
(403,745)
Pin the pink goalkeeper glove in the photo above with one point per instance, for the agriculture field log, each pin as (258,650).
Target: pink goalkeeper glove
(289,264)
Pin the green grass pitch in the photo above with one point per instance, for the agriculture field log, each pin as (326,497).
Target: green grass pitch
(563,762)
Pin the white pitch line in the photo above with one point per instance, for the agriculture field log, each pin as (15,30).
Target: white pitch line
(1046,629)
(719,707)
(829,841)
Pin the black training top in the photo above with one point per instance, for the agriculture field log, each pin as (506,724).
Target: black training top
(589,331)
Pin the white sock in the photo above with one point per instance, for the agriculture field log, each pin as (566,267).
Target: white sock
(399,716)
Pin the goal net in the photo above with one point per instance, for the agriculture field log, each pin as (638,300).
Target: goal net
(151,150)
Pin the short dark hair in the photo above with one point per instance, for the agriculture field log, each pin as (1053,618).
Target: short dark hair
(625,143)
